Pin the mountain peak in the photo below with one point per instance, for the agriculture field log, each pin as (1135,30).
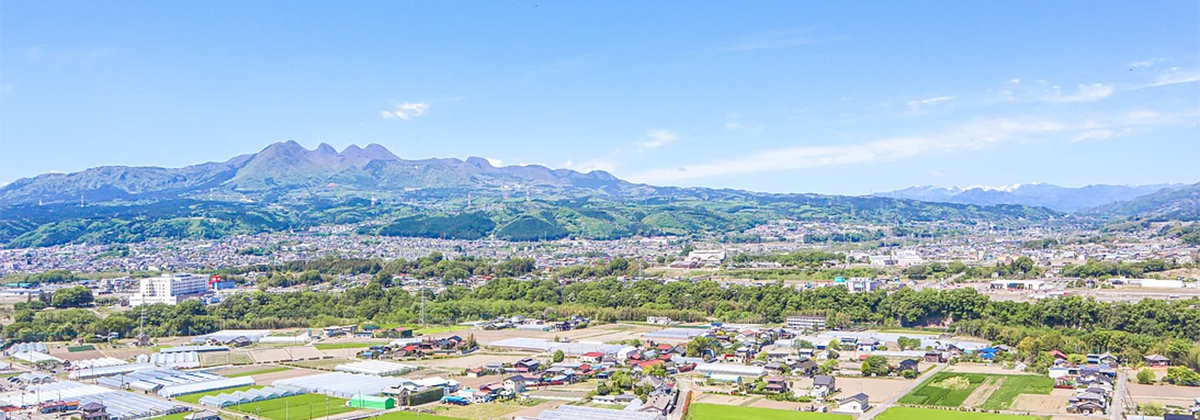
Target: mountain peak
(325,150)
(375,151)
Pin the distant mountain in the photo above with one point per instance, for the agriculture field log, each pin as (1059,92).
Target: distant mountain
(1182,203)
(1036,194)
(286,186)
(288,167)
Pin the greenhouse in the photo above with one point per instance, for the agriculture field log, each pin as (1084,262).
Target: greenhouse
(343,385)
(194,387)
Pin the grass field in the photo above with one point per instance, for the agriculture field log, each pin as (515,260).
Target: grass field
(408,415)
(176,416)
(909,413)
(195,398)
(1015,385)
(259,372)
(357,345)
(296,407)
(490,411)
(325,364)
(701,411)
(85,347)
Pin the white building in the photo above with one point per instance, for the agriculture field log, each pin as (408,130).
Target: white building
(169,289)
(707,257)
(806,322)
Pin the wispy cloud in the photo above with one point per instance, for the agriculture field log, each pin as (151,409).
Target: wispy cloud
(591,165)
(657,138)
(928,101)
(1085,93)
(1100,134)
(973,136)
(1175,76)
(767,40)
(407,111)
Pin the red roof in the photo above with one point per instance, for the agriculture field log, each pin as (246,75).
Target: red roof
(594,354)
(664,346)
(649,363)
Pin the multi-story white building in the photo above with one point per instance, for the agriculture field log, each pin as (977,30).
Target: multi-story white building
(806,322)
(169,289)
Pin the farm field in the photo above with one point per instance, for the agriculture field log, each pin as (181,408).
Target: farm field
(409,415)
(909,413)
(487,411)
(700,411)
(298,407)
(986,391)
(224,358)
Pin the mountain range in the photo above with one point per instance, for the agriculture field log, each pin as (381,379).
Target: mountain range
(1054,197)
(286,186)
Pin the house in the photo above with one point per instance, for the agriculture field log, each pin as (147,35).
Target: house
(527,365)
(823,386)
(591,357)
(868,345)
(806,367)
(776,384)
(515,384)
(1102,359)
(854,404)
(615,399)
(1157,360)
(399,332)
(934,356)
(1058,355)
(1085,407)
(909,364)
(94,411)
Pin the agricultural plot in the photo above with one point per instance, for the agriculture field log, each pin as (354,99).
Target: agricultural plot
(945,389)
(979,390)
(700,411)
(909,413)
(298,407)
(224,358)
(409,415)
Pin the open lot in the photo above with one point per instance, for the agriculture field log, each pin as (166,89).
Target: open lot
(222,358)
(909,413)
(489,411)
(298,407)
(322,364)
(1053,403)
(702,411)
(249,370)
(468,361)
(409,415)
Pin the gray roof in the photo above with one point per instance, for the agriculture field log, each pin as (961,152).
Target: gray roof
(822,380)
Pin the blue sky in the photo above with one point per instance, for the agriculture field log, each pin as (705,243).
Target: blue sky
(770,96)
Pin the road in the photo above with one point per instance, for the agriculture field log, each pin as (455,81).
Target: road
(881,407)
(684,383)
(1118,400)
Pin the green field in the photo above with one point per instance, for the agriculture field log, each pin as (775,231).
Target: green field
(298,407)
(701,411)
(358,345)
(952,389)
(176,416)
(408,415)
(1015,385)
(259,372)
(909,413)
(85,347)
(945,389)
(195,398)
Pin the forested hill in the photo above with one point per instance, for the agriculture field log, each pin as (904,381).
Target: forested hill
(286,186)
(1168,204)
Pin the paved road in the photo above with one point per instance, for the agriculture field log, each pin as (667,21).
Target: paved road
(881,407)
(1118,401)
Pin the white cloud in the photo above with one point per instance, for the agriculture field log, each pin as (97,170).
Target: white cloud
(657,138)
(1175,76)
(767,40)
(928,101)
(972,136)
(407,111)
(591,165)
(733,125)
(1100,134)
(494,162)
(1085,93)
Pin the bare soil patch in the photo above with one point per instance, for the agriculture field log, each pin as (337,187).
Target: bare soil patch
(983,392)
(1043,404)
